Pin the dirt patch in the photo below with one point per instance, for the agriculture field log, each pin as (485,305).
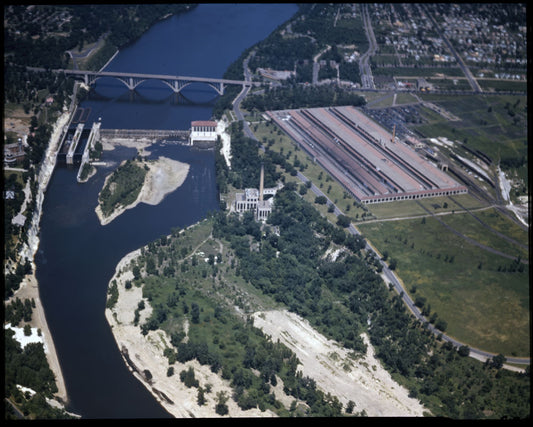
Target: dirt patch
(363,381)
(19,126)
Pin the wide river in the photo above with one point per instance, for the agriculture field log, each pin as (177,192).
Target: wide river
(77,256)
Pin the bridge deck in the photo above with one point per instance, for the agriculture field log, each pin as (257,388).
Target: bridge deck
(155,76)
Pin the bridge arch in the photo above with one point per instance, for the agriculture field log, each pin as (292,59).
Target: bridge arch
(176,85)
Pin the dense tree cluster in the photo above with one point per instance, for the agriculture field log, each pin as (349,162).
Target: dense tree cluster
(280,53)
(238,351)
(123,187)
(245,163)
(319,24)
(19,310)
(35,35)
(12,280)
(285,266)
(342,299)
(28,367)
(299,96)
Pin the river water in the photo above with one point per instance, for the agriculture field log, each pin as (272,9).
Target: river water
(77,256)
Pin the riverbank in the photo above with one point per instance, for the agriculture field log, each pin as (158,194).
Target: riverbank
(163,176)
(143,353)
(335,370)
(29,287)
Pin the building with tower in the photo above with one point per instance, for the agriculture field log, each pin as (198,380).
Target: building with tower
(253,199)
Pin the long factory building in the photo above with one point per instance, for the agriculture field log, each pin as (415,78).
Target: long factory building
(368,161)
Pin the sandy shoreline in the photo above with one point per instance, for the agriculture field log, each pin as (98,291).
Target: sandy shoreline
(163,177)
(29,287)
(364,381)
(146,352)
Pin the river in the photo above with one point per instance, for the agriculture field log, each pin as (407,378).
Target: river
(77,256)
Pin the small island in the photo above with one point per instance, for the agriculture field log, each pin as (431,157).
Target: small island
(136,181)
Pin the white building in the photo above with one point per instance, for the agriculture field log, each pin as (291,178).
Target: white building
(252,200)
(203,132)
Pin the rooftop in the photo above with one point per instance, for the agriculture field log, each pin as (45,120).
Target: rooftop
(209,123)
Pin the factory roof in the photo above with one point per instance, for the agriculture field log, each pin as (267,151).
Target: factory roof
(210,123)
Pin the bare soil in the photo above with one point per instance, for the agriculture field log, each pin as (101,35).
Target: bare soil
(363,381)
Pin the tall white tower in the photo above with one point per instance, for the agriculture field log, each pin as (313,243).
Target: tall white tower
(261,179)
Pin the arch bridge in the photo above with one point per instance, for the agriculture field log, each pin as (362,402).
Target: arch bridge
(176,83)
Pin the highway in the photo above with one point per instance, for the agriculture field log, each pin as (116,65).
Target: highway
(367,81)
(386,271)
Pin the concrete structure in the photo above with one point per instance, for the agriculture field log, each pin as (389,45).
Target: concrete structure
(145,134)
(253,200)
(132,80)
(203,132)
(369,162)
(74,144)
(275,74)
(93,137)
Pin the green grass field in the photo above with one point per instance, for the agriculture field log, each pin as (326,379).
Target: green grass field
(495,125)
(473,290)
(483,305)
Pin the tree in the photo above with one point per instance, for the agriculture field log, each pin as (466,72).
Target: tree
(464,351)
(498,361)
(350,406)
(187,377)
(221,408)
(195,313)
(441,325)
(343,221)
(200,397)
(27,330)
(321,200)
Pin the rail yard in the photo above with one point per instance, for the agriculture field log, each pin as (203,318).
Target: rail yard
(368,161)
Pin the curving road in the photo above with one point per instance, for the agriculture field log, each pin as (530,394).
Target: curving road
(367,80)
(386,271)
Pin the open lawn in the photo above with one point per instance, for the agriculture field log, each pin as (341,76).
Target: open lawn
(483,297)
(484,302)
(281,143)
(495,125)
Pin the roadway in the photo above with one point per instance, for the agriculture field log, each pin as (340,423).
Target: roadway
(237,101)
(473,82)
(141,77)
(387,273)
(367,80)
(152,76)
